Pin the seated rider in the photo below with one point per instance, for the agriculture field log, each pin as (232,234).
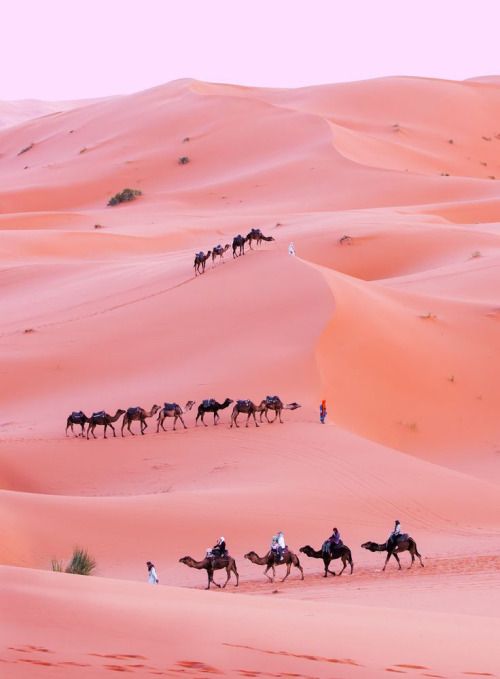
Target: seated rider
(278,544)
(393,537)
(219,549)
(333,541)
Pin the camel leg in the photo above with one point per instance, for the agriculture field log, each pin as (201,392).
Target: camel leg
(288,569)
(344,561)
(144,426)
(67,425)
(228,573)
(158,423)
(267,416)
(267,576)
(114,432)
(236,575)
(397,559)
(254,419)
(124,422)
(129,424)
(233,421)
(216,417)
(179,417)
(279,413)
(326,563)
(386,560)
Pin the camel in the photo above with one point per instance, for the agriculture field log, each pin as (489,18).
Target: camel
(337,552)
(219,251)
(173,410)
(211,564)
(239,244)
(140,414)
(77,417)
(276,404)
(211,406)
(257,236)
(103,419)
(247,407)
(200,259)
(404,545)
(269,560)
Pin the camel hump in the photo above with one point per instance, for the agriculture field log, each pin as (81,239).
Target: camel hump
(100,413)
(133,411)
(170,406)
(272,399)
(208,402)
(77,413)
(243,402)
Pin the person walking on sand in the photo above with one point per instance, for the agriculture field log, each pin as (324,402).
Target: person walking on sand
(322,412)
(152,577)
(291,249)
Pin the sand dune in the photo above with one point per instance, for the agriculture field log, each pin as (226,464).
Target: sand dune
(396,326)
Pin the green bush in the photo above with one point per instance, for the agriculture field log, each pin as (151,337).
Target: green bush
(124,196)
(81,563)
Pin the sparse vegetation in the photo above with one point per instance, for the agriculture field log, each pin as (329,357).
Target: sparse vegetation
(186,139)
(183,160)
(445,174)
(27,331)
(450,141)
(25,149)
(483,163)
(475,254)
(486,138)
(451,379)
(124,196)
(491,176)
(429,317)
(81,563)
(82,150)
(98,226)
(396,127)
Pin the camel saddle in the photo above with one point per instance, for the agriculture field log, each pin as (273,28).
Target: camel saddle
(244,404)
(132,411)
(208,402)
(170,406)
(77,414)
(272,399)
(100,413)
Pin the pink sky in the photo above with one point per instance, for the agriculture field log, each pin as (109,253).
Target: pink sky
(67,49)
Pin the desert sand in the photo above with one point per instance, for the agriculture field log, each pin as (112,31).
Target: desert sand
(397,327)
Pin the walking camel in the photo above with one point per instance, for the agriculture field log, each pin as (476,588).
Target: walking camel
(239,244)
(173,410)
(200,260)
(211,406)
(269,561)
(77,417)
(102,418)
(211,564)
(219,251)
(247,407)
(276,404)
(334,552)
(393,549)
(257,236)
(140,414)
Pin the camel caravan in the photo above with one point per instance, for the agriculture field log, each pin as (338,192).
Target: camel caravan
(238,245)
(279,554)
(174,410)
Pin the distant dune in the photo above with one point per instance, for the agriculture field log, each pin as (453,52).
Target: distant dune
(389,190)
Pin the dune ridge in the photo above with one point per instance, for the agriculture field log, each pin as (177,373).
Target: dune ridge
(395,325)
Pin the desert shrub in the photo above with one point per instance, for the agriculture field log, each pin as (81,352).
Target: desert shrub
(124,196)
(183,160)
(81,562)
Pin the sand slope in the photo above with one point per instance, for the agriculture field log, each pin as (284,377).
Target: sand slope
(396,326)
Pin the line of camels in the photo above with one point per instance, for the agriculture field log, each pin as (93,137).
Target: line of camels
(138,414)
(289,559)
(239,241)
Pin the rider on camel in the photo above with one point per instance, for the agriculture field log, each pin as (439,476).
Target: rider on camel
(278,544)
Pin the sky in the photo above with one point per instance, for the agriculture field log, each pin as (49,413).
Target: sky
(75,49)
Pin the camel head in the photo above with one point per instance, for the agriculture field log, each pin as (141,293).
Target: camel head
(155,409)
(187,560)
(307,550)
(226,247)
(371,546)
(190,404)
(251,555)
(119,412)
(227,402)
